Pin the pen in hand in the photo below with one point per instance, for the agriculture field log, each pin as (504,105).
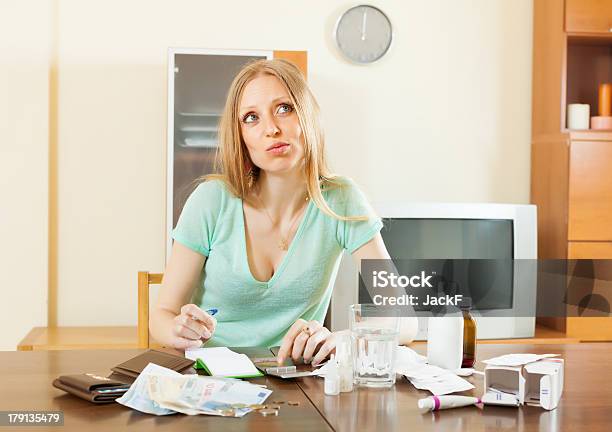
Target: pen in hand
(211,312)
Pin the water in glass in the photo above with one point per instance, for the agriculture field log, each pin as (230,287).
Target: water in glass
(375,356)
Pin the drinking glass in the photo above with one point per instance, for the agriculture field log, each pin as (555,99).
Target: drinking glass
(375,339)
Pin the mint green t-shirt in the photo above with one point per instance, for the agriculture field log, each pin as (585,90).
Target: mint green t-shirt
(259,313)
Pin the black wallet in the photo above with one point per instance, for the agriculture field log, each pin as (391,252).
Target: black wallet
(134,366)
(92,387)
(99,389)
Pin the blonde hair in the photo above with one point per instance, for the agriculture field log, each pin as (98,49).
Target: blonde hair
(233,164)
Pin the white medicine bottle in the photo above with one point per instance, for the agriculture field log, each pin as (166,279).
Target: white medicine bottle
(332,378)
(445,341)
(344,358)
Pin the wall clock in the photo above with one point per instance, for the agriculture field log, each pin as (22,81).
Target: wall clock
(363,34)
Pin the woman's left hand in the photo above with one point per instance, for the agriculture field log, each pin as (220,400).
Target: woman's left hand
(307,339)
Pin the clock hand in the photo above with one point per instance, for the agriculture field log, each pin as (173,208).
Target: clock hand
(363,26)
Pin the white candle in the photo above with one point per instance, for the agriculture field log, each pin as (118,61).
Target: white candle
(578,116)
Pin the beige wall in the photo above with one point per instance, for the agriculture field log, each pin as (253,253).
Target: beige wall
(24,111)
(444,116)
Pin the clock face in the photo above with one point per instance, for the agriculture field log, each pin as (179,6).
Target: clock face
(363,34)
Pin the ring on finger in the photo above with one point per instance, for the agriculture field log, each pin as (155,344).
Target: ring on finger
(314,342)
(299,344)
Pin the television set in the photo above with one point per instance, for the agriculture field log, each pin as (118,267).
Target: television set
(414,231)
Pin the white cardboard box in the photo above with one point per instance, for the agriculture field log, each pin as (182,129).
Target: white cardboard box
(504,385)
(544,383)
(538,384)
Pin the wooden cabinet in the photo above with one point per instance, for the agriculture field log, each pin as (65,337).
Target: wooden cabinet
(588,16)
(592,250)
(571,171)
(590,191)
(593,328)
(572,187)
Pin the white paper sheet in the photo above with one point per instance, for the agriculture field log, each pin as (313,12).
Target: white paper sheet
(443,384)
(517,359)
(222,361)
(194,354)
(427,377)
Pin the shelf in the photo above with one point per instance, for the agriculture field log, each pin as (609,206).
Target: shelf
(590,135)
(589,64)
(590,38)
(208,143)
(198,129)
(189,114)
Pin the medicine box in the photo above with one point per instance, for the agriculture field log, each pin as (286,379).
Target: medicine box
(504,385)
(537,384)
(544,383)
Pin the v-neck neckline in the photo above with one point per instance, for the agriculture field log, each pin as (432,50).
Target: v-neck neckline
(287,256)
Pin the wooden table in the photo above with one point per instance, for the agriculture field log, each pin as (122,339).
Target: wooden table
(25,383)
(586,403)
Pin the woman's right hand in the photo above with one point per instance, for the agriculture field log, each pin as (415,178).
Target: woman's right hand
(192,327)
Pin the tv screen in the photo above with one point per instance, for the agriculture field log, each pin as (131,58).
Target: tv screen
(472,257)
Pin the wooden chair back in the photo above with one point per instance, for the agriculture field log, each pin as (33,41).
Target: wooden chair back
(145,280)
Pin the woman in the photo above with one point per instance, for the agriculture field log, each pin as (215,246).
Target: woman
(261,241)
